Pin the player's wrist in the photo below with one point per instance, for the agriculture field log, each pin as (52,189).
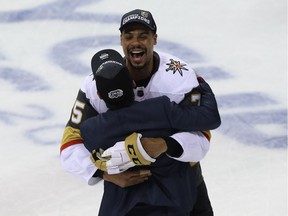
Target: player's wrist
(106,176)
(154,146)
(162,145)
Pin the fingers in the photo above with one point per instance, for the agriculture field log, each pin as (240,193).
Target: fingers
(128,178)
(138,173)
(137,177)
(145,172)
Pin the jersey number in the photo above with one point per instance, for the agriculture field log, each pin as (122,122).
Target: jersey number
(77,112)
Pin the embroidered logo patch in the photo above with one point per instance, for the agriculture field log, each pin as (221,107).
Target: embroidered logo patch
(115,93)
(176,66)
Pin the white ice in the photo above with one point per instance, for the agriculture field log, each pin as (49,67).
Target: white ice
(246,39)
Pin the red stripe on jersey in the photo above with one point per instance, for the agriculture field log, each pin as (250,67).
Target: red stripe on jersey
(74,142)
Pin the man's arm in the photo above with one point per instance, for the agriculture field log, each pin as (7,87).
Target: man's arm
(182,146)
(188,146)
(74,157)
(163,115)
(193,146)
(151,117)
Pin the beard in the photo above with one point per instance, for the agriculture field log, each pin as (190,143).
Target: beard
(136,66)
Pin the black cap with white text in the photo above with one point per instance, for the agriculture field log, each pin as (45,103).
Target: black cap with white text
(113,82)
(138,16)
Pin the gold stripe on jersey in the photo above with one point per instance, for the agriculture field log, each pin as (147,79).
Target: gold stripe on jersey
(193,163)
(70,137)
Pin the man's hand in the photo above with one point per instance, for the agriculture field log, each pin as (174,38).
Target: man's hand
(128,178)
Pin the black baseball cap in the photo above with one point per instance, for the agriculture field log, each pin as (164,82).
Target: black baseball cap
(113,82)
(138,16)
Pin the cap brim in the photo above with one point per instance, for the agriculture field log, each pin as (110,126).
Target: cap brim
(136,22)
(103,56)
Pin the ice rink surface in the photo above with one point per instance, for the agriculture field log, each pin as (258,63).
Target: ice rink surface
(240,47)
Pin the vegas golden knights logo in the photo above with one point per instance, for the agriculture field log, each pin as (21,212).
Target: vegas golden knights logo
(176,66)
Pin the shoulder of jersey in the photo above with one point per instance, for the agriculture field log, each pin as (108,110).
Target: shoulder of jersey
(174,76)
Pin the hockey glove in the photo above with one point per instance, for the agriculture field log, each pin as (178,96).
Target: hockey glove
(103,163)
(98,160)
(135,150)
(123,155)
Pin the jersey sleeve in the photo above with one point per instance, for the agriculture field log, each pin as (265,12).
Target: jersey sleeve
(74,157)
(81,111)
(195,145)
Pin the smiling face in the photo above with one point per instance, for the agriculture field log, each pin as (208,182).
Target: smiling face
(138,42)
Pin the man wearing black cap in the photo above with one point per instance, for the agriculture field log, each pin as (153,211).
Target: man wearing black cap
(155,74)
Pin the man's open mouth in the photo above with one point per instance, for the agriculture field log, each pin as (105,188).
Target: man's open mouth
(137,53)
